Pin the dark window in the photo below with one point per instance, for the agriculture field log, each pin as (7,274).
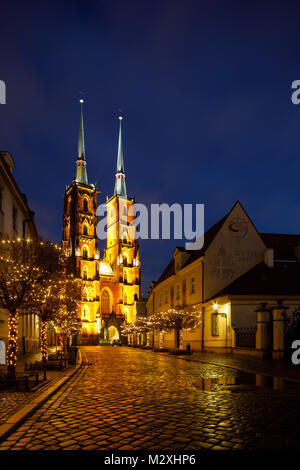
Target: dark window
(84,253)
(15,215)
(85,205)
(85,232)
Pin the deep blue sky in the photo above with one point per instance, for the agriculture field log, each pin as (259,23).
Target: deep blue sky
(205,87)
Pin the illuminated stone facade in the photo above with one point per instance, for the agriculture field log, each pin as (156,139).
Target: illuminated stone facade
(111,285)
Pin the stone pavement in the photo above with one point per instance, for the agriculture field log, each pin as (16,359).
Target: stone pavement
(279,368)
(12,401)
(131,399)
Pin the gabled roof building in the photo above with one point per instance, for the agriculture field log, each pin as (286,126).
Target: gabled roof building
(237,270)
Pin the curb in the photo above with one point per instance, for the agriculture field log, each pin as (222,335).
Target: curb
(14,421)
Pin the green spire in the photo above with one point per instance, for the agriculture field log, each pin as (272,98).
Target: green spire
(120,186)
(81,174)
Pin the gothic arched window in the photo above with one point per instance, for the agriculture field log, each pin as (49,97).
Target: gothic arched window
(105,303)
(85,230)
(85,312)
(85,205)
(125,298)
(84,253)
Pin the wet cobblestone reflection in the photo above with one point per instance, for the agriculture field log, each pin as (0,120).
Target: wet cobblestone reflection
(133,399)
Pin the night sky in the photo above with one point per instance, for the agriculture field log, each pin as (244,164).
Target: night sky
(206,91)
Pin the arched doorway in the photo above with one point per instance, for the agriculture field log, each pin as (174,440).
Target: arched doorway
(113,333)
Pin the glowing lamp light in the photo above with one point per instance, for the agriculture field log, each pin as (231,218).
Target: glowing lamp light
(215,306)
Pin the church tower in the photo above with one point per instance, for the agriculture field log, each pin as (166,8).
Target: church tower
(120,267)
(110,288)
(80,241)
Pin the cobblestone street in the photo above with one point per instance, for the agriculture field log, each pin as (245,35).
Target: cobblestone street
(129,399)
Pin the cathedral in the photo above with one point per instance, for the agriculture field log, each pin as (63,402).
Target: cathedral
(110,285)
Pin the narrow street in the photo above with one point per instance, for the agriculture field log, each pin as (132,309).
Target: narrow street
(129,399)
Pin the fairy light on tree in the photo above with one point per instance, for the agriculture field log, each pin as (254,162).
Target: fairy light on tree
(178,319)
(26,266)
(60,295)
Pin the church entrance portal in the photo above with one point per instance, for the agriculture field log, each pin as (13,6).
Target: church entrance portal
(113,333)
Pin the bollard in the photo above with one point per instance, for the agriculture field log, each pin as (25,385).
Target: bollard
(188,348)
(27,383)
(36,378)
(45,374)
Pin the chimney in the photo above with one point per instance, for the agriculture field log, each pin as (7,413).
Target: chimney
(269,257)
(297,253)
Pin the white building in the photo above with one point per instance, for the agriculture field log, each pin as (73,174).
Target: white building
(16,220)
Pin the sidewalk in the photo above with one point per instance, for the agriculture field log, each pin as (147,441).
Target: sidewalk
(15,406)
(278,368)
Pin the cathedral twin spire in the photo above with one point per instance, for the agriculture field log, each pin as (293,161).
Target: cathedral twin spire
(81,173)
(120,185)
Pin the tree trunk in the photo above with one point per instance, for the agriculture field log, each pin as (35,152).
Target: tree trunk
(12,341)
(44,341)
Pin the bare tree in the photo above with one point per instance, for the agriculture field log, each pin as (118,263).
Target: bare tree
(177,318)
(26,267)
(58,302)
